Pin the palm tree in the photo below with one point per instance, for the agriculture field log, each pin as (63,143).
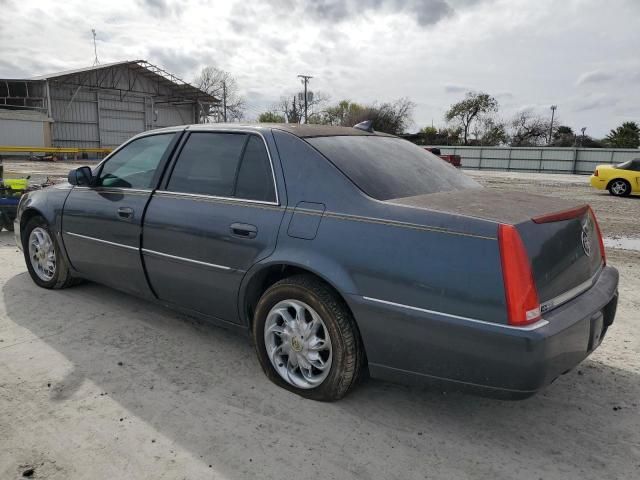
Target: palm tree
(625,136)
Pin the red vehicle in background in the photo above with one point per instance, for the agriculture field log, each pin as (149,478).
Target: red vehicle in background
(452,159)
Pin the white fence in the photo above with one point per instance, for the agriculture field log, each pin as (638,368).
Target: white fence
(539,159)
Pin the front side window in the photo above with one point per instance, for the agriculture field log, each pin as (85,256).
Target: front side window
(134,165)
(224,165)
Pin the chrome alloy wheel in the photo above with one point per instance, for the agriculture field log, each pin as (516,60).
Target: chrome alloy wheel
(619,187)
(298,344)
(42,254)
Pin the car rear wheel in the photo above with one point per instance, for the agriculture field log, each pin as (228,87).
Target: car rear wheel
(45,263)
(619,188)
(306,339)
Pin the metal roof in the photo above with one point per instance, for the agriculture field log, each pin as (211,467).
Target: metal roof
(142,67)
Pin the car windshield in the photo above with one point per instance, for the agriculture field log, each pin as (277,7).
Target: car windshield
(388,167)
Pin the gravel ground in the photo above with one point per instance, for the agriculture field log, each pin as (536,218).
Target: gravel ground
(97,384)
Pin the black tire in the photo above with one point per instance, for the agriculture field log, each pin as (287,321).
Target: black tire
(614,187)
(347,351)
(62,277)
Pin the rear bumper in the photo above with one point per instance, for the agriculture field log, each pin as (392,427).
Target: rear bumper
(411,345)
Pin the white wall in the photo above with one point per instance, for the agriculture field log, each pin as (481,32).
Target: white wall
(23,128)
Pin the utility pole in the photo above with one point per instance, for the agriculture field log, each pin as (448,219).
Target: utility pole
(553,111)
(305,79)
(95,48)
(583,129)
(224,100)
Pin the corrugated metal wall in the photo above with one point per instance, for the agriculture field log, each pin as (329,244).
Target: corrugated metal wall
(85,117)
(542,159)
(121,119)
(169,115)
(75,115)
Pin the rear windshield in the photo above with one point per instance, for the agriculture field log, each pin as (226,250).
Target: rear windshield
(629,165)
(388,167)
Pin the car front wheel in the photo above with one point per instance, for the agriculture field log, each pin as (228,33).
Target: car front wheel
(306,339)
(619,188)
(46,265)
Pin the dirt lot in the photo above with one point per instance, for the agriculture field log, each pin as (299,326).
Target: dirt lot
(96,384)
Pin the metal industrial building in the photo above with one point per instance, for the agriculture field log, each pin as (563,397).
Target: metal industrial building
(96,107)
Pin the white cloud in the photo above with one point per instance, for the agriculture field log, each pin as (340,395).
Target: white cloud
(597,76)
(433,51)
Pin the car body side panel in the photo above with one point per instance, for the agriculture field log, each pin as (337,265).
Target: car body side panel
(455,274)
(101,245)
(209,262)
(192,256)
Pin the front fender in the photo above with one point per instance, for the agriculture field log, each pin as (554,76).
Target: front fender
(47,203)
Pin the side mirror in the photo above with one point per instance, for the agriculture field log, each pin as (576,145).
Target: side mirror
(80,176)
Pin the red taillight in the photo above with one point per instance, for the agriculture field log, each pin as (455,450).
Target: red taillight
(595,222)
(595,174)
(521,295)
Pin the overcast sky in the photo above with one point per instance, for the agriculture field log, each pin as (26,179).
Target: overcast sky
(583,55)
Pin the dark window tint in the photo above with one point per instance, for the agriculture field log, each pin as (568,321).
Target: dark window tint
(387,167)
(630,165)
(208,164)
(135,164)
(255,180)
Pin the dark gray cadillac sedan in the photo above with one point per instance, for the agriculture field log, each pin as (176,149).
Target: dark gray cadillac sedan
(341,251)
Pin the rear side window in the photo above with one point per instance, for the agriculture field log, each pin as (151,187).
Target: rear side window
(224,165)
(255,180)
(208,164)
(388,167)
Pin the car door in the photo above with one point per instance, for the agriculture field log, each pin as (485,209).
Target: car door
(217,215)
(101,224)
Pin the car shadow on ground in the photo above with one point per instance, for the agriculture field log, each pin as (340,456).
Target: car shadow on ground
(202,387)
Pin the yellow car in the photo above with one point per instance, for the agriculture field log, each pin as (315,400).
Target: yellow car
(621,180)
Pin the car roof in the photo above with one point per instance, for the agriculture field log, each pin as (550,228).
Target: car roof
(302,131)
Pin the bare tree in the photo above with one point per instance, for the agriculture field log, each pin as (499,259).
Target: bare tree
(292,107)
(292,110)
(490,131)
(222,85)
(528,130)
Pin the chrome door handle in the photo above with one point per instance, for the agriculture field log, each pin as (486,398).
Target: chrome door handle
(244,230)
(125,212)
